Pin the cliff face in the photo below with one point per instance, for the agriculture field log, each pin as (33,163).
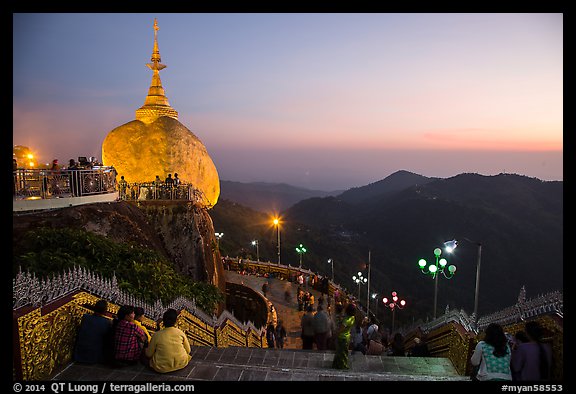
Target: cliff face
(187,234)
(184,233)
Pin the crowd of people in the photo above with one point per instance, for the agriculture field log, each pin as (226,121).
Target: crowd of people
(124,340)
(157,188)
(523,357)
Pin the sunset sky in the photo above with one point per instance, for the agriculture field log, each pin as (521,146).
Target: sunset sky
(322,101)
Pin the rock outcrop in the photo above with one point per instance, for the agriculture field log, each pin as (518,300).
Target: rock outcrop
(181,231)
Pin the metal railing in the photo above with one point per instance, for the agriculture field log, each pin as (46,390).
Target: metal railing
(549,303)
(46,184)
(48,311)
(161,191)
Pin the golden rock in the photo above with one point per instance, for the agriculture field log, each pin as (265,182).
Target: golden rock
(156,143)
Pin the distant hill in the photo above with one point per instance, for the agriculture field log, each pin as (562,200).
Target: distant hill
(402,218)
(393,183)
(267,197)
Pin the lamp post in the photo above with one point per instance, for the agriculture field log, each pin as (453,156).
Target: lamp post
(450,246)
(360,280)
(368,292)
(277,224)
(330,261)
(255,243)
(218,237)
(300,250)
(374,296)
(435,270)
(394,303)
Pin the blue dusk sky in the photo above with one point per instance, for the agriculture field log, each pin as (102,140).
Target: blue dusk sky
(324,101)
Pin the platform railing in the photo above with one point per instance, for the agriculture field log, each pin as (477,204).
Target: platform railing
(47,313)
(161,191)
(32,184)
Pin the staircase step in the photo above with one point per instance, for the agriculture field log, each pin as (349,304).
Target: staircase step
(253,364)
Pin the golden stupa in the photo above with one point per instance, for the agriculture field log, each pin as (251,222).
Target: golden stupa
(156,143)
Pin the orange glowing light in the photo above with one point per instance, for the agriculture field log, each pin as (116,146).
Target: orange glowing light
(24,156)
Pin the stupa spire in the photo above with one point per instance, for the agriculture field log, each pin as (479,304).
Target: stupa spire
(156,103)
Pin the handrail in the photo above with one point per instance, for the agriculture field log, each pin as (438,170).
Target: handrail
(28,290)
(47,184)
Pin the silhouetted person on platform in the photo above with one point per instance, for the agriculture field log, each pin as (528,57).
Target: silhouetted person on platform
(492,355)
(129,339)
(307,328)
(397,346)
(420,348)
(93,335)
(74,177)
(169,348)
(345,322)
(532,360)
(280,335)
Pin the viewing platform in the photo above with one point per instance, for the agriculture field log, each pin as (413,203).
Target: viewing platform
(42,189)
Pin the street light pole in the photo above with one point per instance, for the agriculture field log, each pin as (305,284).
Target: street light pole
(218,236)
(435,270)
(359,280)
(368,292)
(477,292)
(435,293)
(277,224)
(300,250)
(255,243)
(394,304)
(330,261)
(450,246)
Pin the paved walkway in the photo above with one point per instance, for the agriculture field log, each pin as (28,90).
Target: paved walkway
(255,364)
(288,364)
(286,311)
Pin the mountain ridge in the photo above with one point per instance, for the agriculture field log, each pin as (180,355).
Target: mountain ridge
(266,196)
(517,219)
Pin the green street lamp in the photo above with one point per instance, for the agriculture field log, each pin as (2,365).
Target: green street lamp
(301,250)
(255,243)
(435,270)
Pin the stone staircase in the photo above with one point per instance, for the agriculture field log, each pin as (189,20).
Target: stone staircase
(254,364)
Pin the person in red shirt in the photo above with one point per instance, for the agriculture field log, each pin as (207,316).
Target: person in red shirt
(129,339)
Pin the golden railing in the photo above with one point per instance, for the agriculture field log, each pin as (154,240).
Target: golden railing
(44,337)
(454,342)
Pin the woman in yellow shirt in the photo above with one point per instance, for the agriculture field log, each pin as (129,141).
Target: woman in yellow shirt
(169,349)
(138,316)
